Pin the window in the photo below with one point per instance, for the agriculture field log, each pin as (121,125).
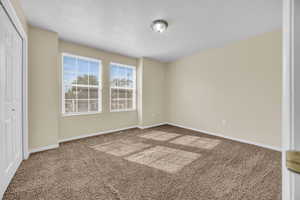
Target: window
(122,87)
(81,85)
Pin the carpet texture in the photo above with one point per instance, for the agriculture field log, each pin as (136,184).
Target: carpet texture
(126,166)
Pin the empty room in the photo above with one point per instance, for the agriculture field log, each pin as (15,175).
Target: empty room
(148,100)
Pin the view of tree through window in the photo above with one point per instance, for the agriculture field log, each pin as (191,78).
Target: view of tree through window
(122,87)
(81,81)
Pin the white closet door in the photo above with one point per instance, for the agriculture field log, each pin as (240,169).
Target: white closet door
(10,100)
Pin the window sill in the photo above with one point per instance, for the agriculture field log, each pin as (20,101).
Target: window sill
(80,114)
(128,110)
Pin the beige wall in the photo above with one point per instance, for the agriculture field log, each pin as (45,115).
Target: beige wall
(72,126)
(43,88)
(17,6)
(239,83)
(153,92)
(47,124)
(234,90)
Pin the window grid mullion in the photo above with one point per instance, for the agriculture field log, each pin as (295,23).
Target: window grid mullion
(75,86)
(134,90)
(122,77)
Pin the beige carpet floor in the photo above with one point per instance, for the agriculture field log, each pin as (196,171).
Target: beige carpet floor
(162,163)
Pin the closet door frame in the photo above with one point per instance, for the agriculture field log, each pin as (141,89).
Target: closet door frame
(7,5)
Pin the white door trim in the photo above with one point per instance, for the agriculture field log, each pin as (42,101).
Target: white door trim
(16,21)
(288,178)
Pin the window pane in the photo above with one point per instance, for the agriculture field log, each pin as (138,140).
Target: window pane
(83,72)
(94,105)
(122,104)
(122,93)
(129,93)
(114,93)
(82,92)
(114,76)
(83,105)
(70,106)
(94,93)
(70,92)
(129,104)
(129,77)
(93,80)
(69,64)
(121,76)
(70,78)
(94,73)
(80,76)
(122,80)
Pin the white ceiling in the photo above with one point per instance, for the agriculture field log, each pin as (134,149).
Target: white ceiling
(123,26)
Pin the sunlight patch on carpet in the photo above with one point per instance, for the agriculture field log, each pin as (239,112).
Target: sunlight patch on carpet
(195,141)
(121,147)
(164,158)
(160,135)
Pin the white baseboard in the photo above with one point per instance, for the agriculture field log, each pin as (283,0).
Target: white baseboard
(96,134)
(227,137)
(109,131)
(151,126)
(90,135)
(26,155)
(45,148)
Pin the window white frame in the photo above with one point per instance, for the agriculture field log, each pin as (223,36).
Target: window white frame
(134,95)
(99,86)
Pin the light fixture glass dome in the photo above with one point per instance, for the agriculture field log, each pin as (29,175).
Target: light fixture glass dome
(159,26)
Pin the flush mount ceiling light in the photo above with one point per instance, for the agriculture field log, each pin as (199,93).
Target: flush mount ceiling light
(159,26)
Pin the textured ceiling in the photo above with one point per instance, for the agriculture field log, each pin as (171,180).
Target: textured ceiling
(123,26)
